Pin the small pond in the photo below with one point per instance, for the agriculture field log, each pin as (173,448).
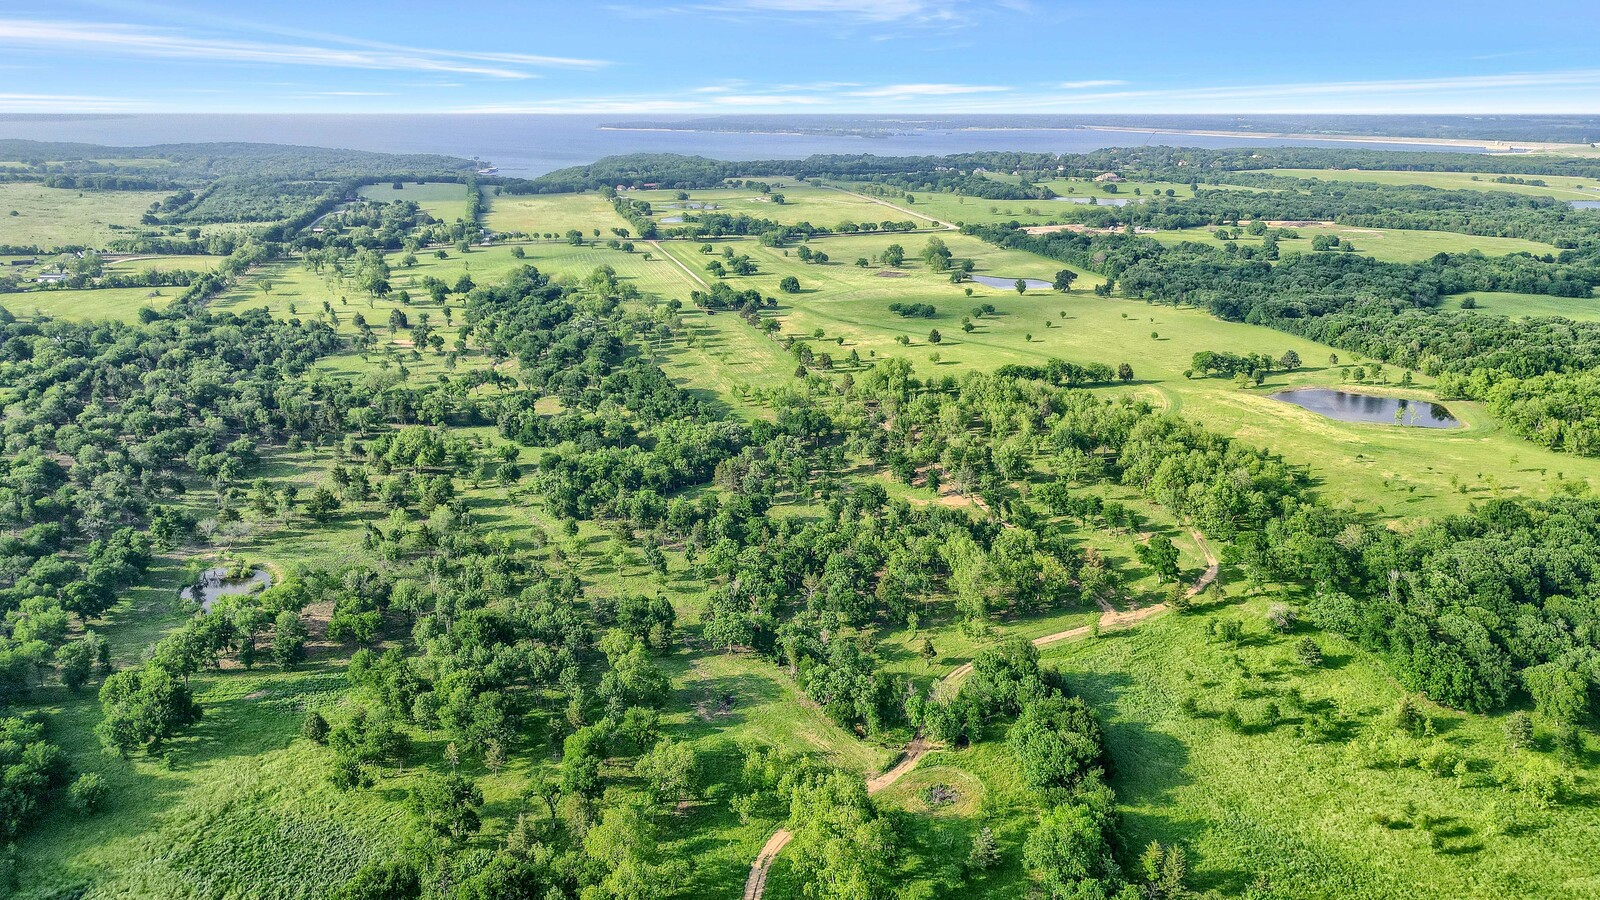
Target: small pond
(687,206)
(1010,284)
(215,584)
(671,220)
(1585,204)
(1347,407)
(1098,201)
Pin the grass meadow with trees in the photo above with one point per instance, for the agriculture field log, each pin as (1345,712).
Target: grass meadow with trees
(847,527)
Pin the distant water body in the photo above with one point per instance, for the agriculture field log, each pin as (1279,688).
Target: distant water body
(529,145)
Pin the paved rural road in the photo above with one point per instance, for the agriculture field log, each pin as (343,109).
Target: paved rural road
(756,884)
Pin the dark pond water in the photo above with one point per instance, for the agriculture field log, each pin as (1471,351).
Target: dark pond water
(1010,284)
(1585,204)
(1347,407)
(215,584)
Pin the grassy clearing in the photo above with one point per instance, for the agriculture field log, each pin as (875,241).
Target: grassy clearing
(444,200)
(1507,303)
(56,217)
(1562,187)
(552,213)
(1381,468)
(823,207)
(120,304)
(1311,816)
(1388,244)
(132,264)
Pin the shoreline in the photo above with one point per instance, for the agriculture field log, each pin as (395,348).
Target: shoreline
(1487,145)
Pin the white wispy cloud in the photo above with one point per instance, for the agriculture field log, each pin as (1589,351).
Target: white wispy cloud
(834,14)
(590,105)
(926,90)
(1081,85)
(879,11)
(135,40)
(57,103)
(1414,86)
(768,100)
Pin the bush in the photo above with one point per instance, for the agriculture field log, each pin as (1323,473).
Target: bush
(88,792)
(315,728)
(1310,652)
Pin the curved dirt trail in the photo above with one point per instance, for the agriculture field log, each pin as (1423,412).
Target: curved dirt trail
(1111,619)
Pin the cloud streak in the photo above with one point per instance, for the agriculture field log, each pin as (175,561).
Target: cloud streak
(55,103)
(133,40)
(926,90)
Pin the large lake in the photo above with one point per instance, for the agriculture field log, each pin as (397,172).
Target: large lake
(528,145)
(1347,407)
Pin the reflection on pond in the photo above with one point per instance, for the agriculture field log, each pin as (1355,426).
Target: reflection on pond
(215,584)
(1347,407)
(1009,284)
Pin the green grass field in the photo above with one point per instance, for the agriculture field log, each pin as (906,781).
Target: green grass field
(823,207)
(56,217)
(1506,303)
(1562,187)
(552,214)
(1395,471)
(1311,815)
(445,201)
(1388,244)
(121,304)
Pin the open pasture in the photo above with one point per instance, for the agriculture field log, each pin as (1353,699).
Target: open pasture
(1387,244)
(1329,817)
(1561,187)
(1382,468)
(34,215)
(823,207)
(1507,303)
(444,200)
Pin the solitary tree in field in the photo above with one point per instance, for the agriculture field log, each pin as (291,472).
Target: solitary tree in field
(1022,286)
(1125,373)
(1289,361)
(1064,280)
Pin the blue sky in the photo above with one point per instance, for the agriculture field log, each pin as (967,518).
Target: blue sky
(761,56)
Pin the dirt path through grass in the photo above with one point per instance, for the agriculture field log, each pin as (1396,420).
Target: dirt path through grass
(756,884)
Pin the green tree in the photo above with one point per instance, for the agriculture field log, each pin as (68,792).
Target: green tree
(671,769)
(448,805)
(288,639)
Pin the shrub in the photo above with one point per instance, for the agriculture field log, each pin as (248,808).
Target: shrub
(88,792)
